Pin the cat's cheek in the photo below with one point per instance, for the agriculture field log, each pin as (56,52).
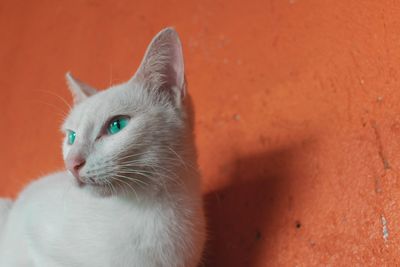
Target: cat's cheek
(65,150)
(111,144)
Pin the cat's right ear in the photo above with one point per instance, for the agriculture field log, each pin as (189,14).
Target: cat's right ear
(162,67)
(80,91)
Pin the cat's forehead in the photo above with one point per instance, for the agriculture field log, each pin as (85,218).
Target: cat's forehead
(101,106)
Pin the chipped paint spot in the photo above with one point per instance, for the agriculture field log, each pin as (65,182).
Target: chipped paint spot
(385,230)
(236,117)
(378,187)
(381,154)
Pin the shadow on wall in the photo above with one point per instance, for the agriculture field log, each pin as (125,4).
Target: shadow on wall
(244,218)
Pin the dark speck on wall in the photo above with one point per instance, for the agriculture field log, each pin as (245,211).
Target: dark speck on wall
(258,235)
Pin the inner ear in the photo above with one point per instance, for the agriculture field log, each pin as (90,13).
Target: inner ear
(79,89)
(162,66)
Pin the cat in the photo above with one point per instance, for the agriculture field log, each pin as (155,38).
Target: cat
(131,193)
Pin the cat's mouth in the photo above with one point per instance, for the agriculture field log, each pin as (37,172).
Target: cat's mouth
(98,188)
(79,181)
(109,184)
(88,181)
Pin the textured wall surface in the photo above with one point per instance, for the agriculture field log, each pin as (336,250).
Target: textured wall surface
(297,116)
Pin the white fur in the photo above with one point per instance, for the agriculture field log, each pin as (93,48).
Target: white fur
(141,203)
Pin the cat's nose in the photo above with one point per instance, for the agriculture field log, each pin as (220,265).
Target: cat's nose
(74,164)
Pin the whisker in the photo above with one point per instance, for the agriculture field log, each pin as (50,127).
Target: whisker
(134,191)
(60,112)
(131,179)
(56,95)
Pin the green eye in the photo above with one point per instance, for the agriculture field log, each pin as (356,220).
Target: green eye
(117,125)
(71,137)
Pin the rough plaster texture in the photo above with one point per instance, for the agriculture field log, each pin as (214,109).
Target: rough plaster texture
(297,123)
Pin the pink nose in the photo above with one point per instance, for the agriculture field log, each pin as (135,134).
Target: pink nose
(74,164)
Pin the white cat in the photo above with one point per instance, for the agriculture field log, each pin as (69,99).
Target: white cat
(131,196)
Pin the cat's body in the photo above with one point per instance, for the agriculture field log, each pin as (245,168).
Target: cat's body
(135,199)
(54,223)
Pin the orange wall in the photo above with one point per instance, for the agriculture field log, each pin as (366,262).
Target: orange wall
(297,116)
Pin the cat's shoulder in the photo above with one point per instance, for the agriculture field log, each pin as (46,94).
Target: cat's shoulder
(48,184)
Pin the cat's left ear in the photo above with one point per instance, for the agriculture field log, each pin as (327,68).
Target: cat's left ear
(80,91)
(162,67)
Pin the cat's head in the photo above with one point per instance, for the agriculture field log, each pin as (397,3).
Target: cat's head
(130,136)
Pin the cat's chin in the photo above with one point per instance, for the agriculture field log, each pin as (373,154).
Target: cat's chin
(101,190)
